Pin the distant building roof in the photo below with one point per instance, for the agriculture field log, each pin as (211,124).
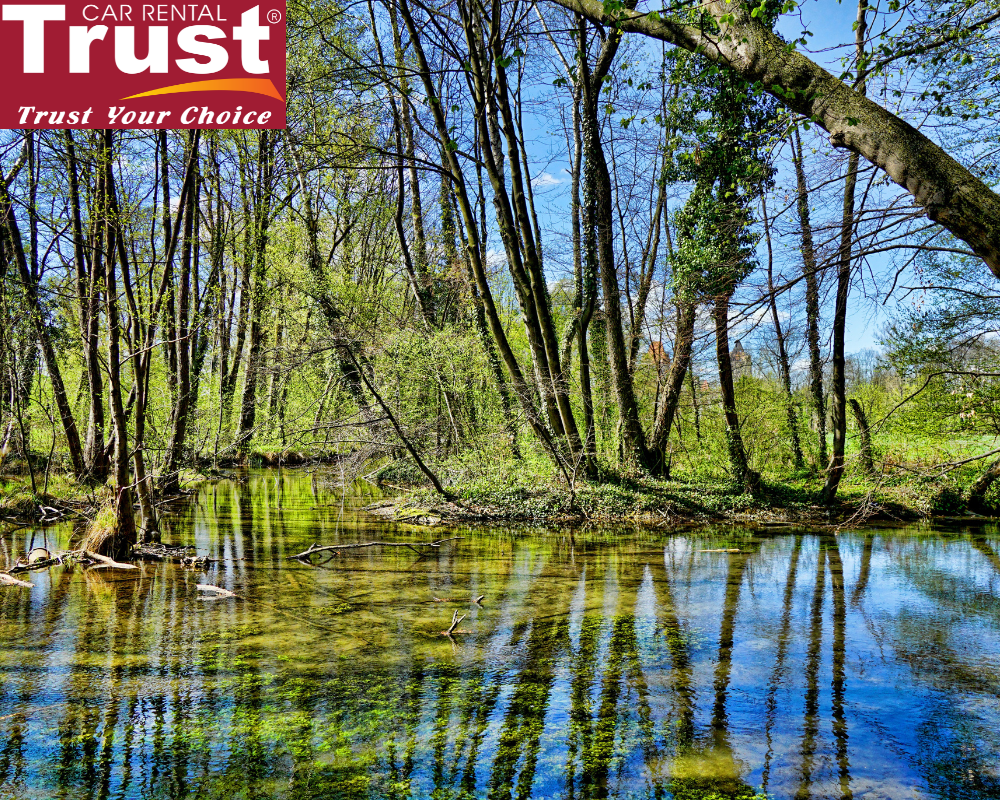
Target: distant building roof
(659,355)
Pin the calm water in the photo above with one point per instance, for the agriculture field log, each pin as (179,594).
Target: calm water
(631,665)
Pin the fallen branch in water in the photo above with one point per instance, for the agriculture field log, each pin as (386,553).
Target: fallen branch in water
(455,619)
(477,600)
(219,592)
(105,561)
(180,554)
(49,562)
(98,561)
(722,550)
(7,580)
(39,558)
(318,548)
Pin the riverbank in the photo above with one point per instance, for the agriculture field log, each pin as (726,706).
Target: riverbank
(52,499)
(62,498)
(648,502)
(533,500)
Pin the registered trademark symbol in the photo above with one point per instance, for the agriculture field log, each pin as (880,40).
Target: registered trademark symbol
(274,16)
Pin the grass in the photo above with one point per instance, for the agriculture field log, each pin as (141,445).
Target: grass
(522,494)
(17,500)
(101,528)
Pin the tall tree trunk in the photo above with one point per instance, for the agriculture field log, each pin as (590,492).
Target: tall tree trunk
(227,389)
(680,365)
(418,267)
(170,311)
(838,378)
(144,331)
(140,369)
(495,117)
(865,437)
(783,366)
(274,380)
(452,227)
(811,271)
(89,281)
(119,544)
(585,278)
(212,307)
(257,244)
(179,416)
(598,197)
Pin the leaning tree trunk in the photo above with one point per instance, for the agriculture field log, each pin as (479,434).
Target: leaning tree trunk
(680,364)
(519,384)
(977,492)
(748,479)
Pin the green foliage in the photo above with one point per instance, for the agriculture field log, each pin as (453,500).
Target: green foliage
(724,132)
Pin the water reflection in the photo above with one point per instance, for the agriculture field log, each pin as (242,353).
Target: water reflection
(599,665)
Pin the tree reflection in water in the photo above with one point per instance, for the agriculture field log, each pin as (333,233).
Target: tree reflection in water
(617,664)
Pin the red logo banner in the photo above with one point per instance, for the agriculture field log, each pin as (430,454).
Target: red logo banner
(143,65)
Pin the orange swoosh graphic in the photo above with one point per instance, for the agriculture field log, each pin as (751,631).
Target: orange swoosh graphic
(253,85)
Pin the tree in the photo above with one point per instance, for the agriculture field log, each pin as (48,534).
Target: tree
(730,35)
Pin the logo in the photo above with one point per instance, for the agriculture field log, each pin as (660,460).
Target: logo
(166,65)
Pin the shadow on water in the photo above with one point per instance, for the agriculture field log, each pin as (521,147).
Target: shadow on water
(616,664)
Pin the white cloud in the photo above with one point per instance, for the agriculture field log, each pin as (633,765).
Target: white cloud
(545,179)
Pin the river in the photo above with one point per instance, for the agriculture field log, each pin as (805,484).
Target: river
(599,663)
